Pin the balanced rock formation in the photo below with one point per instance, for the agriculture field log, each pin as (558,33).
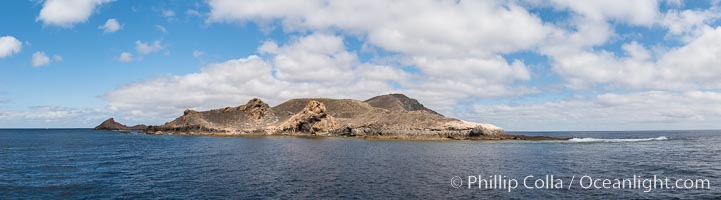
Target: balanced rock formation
(393,116)
(313,119)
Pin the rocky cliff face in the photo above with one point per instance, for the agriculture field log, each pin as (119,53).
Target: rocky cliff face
(388,116)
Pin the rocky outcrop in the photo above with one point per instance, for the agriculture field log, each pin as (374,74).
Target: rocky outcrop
(477,129)
(252,117)
(312,119)
(111,124)
(255,109)
(393,116)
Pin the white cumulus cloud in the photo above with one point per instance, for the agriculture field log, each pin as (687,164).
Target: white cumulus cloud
(198,54)
(111,26)
(313,58)
(66,13)
(688,24)
(9,45)
(168,13)
(419,27)
(125,57)
(148,47)
(40,59)
(638,12)
(690,66)
(161,28)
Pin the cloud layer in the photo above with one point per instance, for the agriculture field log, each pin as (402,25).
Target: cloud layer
(51,116)
(456,56)
(290,71)
(652,110)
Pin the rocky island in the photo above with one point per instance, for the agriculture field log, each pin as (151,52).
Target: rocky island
(392,116)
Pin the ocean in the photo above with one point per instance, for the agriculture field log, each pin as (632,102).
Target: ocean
(89,164)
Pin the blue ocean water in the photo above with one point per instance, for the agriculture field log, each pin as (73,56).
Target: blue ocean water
(89,164)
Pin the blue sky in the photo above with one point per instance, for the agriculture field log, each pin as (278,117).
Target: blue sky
(522,65)
(88,68)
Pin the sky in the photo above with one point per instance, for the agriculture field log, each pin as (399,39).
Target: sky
(524,65)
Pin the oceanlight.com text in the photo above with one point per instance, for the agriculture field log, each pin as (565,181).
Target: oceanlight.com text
(585,182)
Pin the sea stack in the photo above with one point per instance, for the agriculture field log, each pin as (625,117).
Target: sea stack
(111,124)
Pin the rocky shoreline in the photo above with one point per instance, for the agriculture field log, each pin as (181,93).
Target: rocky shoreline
(393,116)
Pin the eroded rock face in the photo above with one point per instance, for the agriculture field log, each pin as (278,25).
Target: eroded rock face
(487,131)
(312,119)
(254,116)
(255,109)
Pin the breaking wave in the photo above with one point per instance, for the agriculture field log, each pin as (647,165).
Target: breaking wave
(617,140)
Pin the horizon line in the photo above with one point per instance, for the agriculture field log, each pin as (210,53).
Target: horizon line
(509,131)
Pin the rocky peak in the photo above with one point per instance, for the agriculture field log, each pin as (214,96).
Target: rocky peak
(255,109)
(254,103)
(109,124)
(398,102)
(189,111)
(111,120)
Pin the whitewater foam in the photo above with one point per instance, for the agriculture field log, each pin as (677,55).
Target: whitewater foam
(618,140)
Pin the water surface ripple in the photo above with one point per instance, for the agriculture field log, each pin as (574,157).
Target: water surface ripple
(81,164)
